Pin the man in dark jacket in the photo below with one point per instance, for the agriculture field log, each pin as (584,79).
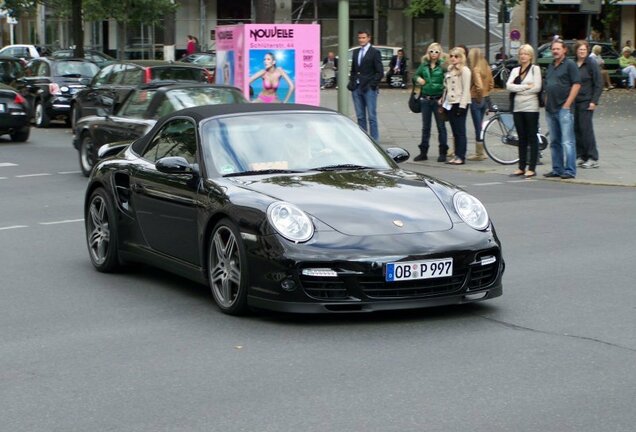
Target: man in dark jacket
(397,66)
(366,73)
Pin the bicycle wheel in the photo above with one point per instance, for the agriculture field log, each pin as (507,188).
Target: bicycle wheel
(500,139)
(505,73)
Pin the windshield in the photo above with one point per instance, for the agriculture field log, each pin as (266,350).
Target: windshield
(197,96)
(287,141)
(78,68)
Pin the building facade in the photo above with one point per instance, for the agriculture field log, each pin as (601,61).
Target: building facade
(384,18)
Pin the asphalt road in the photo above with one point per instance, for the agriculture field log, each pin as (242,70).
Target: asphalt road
(148,351)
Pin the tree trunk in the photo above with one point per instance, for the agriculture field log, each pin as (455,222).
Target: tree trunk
(265,11)
(78,29)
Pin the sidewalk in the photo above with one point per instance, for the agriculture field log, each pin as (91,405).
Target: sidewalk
(614,126)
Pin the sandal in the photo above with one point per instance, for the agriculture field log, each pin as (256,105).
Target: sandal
(517,173)
(451,161)
(530,174)
(457,161)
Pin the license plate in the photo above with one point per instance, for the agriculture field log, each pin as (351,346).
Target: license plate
(3,108)
(412,270)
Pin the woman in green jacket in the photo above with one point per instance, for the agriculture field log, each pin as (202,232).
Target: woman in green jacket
(430,77)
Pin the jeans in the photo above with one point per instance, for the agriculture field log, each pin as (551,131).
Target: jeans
(429,107)
(630,71)
(365,103)
(477,113)
(584,132)
(527,125)
(457,120)
(562,147)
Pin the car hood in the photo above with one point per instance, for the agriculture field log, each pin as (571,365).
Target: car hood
(360,203)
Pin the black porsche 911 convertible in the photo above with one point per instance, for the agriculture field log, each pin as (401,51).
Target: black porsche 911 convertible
(289,208)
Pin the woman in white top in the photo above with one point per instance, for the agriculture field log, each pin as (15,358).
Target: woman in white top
(456,99)
(525,82)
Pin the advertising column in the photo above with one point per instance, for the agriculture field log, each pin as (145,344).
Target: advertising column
(227,48)
(282,63)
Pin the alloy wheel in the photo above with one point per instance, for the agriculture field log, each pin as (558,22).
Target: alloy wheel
(225,267)
(98,231)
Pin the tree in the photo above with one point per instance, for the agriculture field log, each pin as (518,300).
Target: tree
(123,11)
(17,8)
(265,11)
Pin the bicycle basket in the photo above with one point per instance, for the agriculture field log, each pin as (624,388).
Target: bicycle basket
(500,101)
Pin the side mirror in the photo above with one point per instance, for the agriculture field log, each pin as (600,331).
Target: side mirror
(398,154)
(174,165)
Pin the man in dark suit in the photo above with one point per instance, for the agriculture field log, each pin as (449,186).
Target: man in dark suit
(366,73)
(397,66)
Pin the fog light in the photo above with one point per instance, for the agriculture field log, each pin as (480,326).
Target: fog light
(319,272)
(488,260)
(476,296)
(288,285)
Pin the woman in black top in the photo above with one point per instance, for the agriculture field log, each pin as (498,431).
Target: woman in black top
(584,106)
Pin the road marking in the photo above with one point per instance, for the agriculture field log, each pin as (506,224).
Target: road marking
(69,172)
(487,184)
(33,175)
(61,222)
(7,164)
(13,227)
(4,178)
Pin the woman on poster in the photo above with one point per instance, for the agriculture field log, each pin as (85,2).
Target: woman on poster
(271,77)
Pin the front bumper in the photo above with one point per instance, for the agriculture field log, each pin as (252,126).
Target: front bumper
(278,283)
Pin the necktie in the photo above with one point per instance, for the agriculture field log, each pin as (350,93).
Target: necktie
(361,56)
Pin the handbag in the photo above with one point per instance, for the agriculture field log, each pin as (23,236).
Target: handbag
(441,111)
(414,102)
(541,94)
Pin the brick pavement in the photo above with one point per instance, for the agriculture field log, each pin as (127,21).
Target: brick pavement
(614,125)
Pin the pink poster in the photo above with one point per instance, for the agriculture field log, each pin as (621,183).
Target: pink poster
(226,58)
(273,63)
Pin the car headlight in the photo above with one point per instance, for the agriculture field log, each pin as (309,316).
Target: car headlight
(290,221)
(471,210)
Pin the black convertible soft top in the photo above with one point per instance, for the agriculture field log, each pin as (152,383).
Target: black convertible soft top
(201,112)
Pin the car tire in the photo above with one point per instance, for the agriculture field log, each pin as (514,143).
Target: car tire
(227,268)
(75,116)
(21,135)
(86,154)
(40,115)
(102,232)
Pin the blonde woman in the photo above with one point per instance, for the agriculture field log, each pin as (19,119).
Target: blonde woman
(596,55)
(525,83)
(480,87)
(430,78)
(456,100)
(271,76)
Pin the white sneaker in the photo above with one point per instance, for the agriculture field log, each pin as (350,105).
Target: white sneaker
(590,164)
(580,162)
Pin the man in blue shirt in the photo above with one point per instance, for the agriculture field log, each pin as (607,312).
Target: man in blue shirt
(562,84)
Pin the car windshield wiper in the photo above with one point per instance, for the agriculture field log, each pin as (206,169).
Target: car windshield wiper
(341,167)
(265,171)
(72,75)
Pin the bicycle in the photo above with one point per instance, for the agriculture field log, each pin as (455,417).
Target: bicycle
(500,138)
(500,74)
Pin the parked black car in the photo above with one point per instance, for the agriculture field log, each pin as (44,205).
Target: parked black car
(139,113)
(114,82)
(291,208)
(11,69)
(205,59)
(97,57)
(14,114)
(49,85)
